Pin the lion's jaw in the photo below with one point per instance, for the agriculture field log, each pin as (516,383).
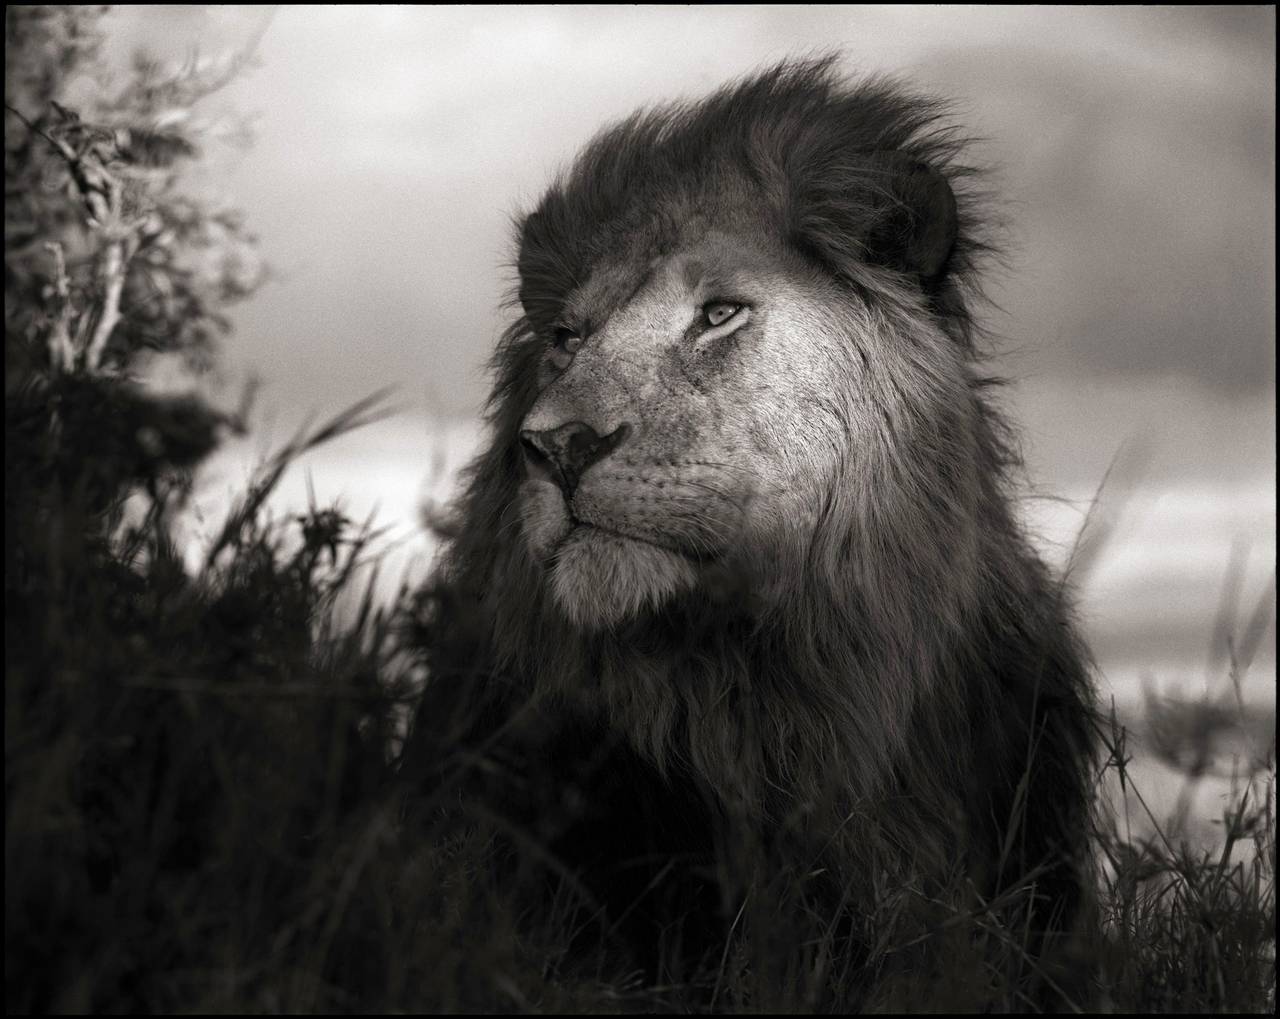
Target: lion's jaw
(711,475)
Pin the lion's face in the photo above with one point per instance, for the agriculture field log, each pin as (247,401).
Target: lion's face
(664,441)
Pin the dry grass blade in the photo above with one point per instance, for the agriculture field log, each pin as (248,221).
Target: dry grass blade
(1263,616)
(1104,513)
(1228,607)
(359,414)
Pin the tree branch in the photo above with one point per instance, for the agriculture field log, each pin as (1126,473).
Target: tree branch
(122,242)
(104,199)
(62,352)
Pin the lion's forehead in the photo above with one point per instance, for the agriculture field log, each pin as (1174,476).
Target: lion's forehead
(721,259)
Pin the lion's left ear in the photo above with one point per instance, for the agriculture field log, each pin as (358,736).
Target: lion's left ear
(885,207)
(915,227)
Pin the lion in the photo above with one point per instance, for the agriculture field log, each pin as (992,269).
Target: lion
(740,564)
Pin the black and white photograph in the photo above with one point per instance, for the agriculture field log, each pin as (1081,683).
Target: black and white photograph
(589,509)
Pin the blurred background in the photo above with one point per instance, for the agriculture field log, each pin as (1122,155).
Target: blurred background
(1134,149)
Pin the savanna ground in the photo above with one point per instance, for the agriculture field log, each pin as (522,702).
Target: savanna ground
(203,804)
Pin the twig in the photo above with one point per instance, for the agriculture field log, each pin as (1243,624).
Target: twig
(62,353)
(121,244)
(65,150)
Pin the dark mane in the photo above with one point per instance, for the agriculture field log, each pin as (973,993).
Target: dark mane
(788,137)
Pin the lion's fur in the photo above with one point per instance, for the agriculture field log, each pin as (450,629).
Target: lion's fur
(901,682)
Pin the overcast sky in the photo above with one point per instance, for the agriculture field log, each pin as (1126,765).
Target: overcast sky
(1134,150)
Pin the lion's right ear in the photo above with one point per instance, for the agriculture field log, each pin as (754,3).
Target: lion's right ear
(885,208)
(546,262)
(530,261)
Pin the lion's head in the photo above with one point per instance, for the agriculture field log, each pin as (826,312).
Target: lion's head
(719,380)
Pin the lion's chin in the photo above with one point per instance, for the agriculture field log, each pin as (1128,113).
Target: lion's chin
(599,579)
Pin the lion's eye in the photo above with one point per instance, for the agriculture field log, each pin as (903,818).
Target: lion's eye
(719,312)
(566,345)
(568,340)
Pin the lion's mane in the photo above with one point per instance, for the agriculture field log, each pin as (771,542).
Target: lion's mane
(916,692)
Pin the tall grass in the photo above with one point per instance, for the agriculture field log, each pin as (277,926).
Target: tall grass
(204,808)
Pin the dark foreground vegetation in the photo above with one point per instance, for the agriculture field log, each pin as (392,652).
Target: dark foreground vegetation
(204,809)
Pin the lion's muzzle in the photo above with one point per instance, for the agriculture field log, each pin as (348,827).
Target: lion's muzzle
(562,454)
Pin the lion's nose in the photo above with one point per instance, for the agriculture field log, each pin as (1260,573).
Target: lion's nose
(564,453)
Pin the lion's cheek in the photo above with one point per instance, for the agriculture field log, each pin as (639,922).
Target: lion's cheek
(600,580)
(543,518)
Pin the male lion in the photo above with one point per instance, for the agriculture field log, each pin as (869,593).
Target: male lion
(737,584)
